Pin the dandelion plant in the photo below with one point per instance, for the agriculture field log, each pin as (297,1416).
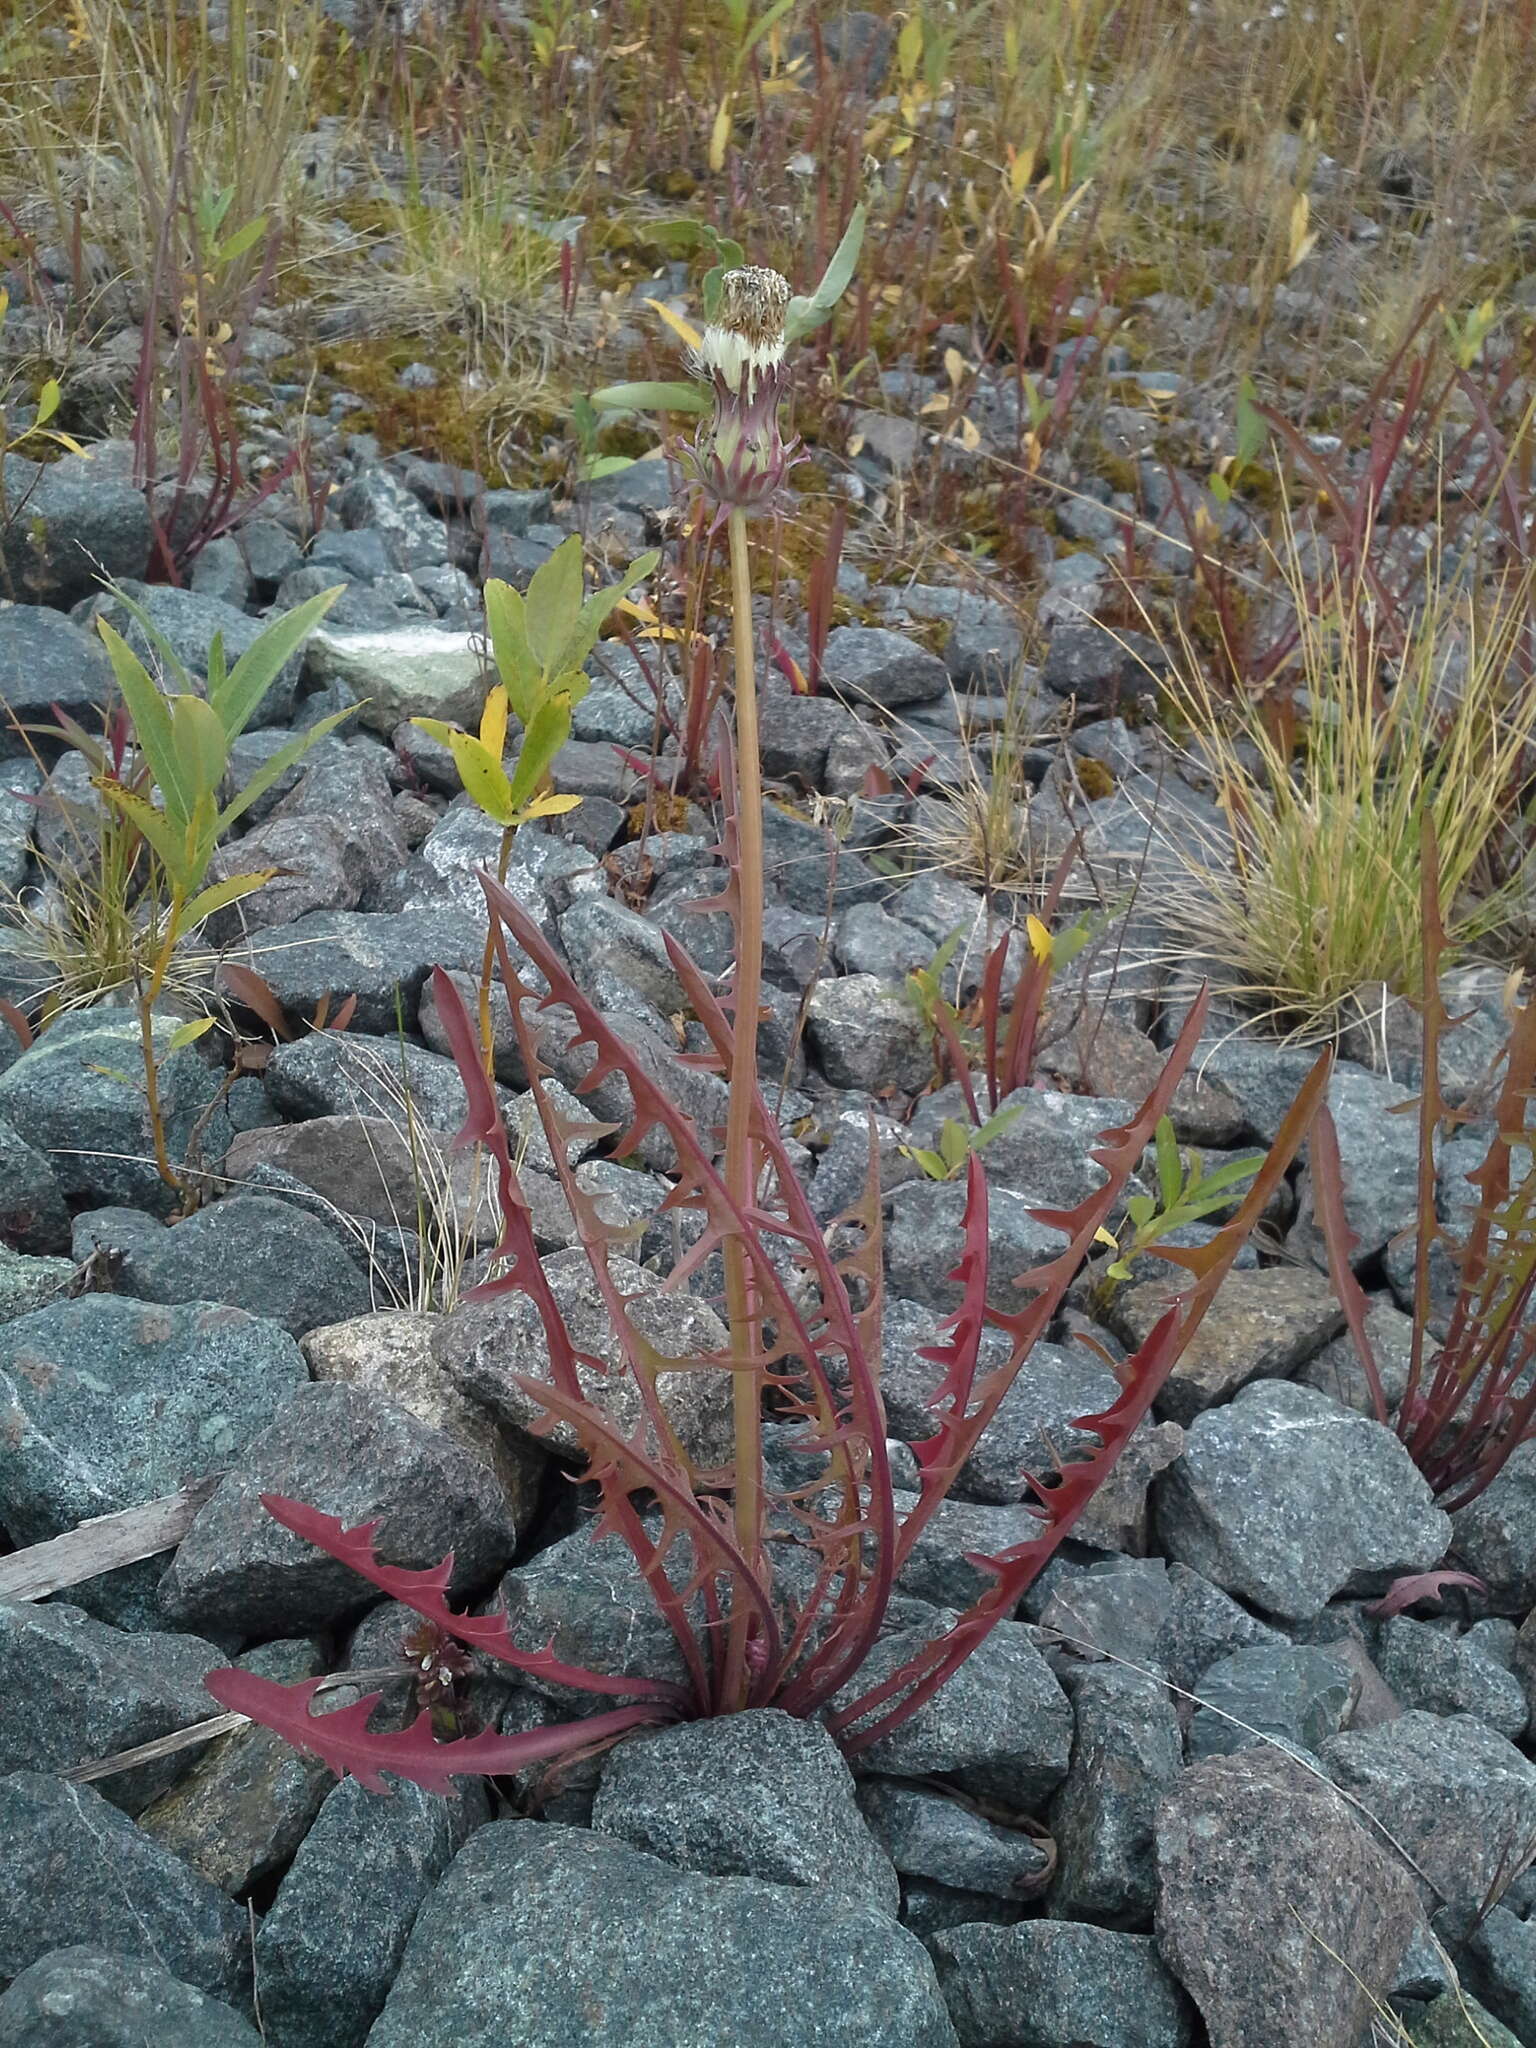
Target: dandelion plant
(803,1302)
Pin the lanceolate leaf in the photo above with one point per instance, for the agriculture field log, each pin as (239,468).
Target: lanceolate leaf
(343,1740)
(257,669)
(151,717)
(651,398)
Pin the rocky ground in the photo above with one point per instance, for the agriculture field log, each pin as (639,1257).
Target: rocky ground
(1257,1812)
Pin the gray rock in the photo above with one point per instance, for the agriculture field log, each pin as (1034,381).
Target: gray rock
(1099,1052)
(80,1872)
(1298,1695)
(328,1949)
(20,781)
(797,734)
(600,933)
(269,549)
(361,1457)
(1043,1153)
(377,499)
(927,1908)
(873,665)
(1099,666)
(621,705)
(71,522)
(809,867)
(45,661)
(1126,1754)
(27,1285)
(1059,1984)
(220,571)
(1336,1370)
(510,511)
(382,958)
(368,1167)
(1456,2020)
(402,672)
(985,644)
(348,781)
(1261,1325)
(1279,1912)
(869,941)
(1388,1034)
(865,1034)
(1500,1967)
(940,1566)
(82,1995)
(1459,1799)
(1495,1534)
(1111,1607)
(584,1596)
(1057,1385)
(1380,1154)
(76,1095)
(391,1354)
(925,1237)
(929,1835)
(33,1217)
(106,1404)
(189,623)
(320,863)
(1262,1078)
(669,1959)
(1428,1665)
(244,1800)
(340,1073)
(486,1346)
(77,1690)
(755,1794)
(253,1253)
(1285,1499)
(1204,1624)
(1001,1726)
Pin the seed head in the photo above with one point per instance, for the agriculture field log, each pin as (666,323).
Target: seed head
(745,340)
(740,458)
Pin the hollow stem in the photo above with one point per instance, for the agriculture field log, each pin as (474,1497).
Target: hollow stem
(488,962)
(741,1307)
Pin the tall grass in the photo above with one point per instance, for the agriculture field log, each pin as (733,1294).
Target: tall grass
(1326,780)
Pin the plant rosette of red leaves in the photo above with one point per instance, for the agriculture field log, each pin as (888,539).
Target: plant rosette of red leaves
(820,1365)
(804,1314)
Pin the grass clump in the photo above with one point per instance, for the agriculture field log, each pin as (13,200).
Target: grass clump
(1327,779)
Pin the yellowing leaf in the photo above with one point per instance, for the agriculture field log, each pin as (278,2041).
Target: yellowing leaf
(719,136)
(1103,1236)
(1039,938)
(938,403)
(549,806)
(969,433)
(685,331)
(185,1034)
(955,366)
(493,722)
(483,776)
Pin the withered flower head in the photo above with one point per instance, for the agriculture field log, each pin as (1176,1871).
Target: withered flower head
(745,340)
(740,458)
